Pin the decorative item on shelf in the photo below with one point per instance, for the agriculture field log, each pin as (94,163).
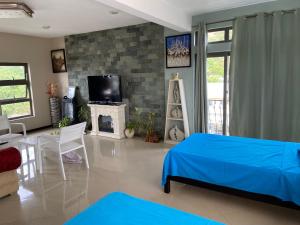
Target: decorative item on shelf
(58,58)
(54,103)
(176,113)
(176,134)
(176,94)
(151,135)
(175,76)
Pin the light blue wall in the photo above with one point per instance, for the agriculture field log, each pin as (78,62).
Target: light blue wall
(247,10)
(188,73)
(188,79)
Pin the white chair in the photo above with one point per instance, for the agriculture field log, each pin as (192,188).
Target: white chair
(5,125)
(70,139)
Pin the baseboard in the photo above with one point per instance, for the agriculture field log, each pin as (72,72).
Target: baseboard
(39,128)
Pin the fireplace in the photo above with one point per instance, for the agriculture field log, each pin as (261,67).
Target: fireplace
(105,124)
(108,120)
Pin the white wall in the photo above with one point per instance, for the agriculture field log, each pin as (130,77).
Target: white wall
(36,52)
(60,78)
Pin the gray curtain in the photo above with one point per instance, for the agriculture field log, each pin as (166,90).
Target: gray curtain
(265,77)
(200,113)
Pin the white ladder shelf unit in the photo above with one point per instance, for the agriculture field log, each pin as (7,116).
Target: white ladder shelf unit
(181,122)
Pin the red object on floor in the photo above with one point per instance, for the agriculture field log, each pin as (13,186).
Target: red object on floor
(10,159)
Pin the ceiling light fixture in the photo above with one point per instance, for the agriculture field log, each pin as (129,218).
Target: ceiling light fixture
(10,10)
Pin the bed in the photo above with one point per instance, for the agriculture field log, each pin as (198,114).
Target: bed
(264,167)
(121,209)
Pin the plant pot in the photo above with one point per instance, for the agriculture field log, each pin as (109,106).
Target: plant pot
(153,138)
(129,133)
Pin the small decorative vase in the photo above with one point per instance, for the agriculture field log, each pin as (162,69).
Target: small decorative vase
(176,113)
(176,94)
(129,133)
(176,134)
(54,111)
(176,76)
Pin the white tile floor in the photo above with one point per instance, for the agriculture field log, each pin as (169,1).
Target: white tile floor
(131,166)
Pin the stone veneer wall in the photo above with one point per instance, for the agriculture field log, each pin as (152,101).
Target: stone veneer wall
(136,53)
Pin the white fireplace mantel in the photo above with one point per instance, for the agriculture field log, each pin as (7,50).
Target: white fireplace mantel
(117,113)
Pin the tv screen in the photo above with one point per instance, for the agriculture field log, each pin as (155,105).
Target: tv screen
(105,88)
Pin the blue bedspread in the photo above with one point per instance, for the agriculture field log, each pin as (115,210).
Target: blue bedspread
(122,209)
(253,165)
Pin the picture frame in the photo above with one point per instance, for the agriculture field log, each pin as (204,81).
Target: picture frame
(58,59)
(178,51)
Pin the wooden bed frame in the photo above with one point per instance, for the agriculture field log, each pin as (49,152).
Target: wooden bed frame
(240,193)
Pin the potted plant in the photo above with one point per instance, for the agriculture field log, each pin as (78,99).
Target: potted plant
(151,135)
(66,121)
(84,115)
(133,125)
(129,131)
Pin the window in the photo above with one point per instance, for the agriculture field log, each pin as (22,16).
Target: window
(220,35)
(15,94)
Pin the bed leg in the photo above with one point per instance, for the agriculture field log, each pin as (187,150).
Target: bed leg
(167,187)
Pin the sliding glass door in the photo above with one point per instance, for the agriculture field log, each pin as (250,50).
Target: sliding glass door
(217,92)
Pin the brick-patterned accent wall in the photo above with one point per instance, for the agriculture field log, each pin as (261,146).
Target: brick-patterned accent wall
(136,53)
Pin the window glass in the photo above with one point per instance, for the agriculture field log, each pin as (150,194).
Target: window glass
(13,91)
(216,36)
(220,35)
(15,97)
(230,34)
(16,109)
(12,73)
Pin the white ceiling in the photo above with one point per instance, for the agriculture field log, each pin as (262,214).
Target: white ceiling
(67,17)
(196,7)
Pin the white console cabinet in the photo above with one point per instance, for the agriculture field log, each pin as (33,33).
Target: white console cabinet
(108,120)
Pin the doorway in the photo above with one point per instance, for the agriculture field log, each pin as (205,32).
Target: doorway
(218,92)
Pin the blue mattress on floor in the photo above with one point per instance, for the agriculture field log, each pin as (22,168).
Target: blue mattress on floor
(121,209)
(248,164)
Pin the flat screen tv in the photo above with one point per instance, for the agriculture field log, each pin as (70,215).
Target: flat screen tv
(105,89)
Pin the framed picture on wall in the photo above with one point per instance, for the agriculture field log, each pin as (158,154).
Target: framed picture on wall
(178,51)
(58,58)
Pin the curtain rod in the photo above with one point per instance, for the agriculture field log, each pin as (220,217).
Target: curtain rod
(251,16)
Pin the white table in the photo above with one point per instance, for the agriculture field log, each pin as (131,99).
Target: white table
(31,141)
